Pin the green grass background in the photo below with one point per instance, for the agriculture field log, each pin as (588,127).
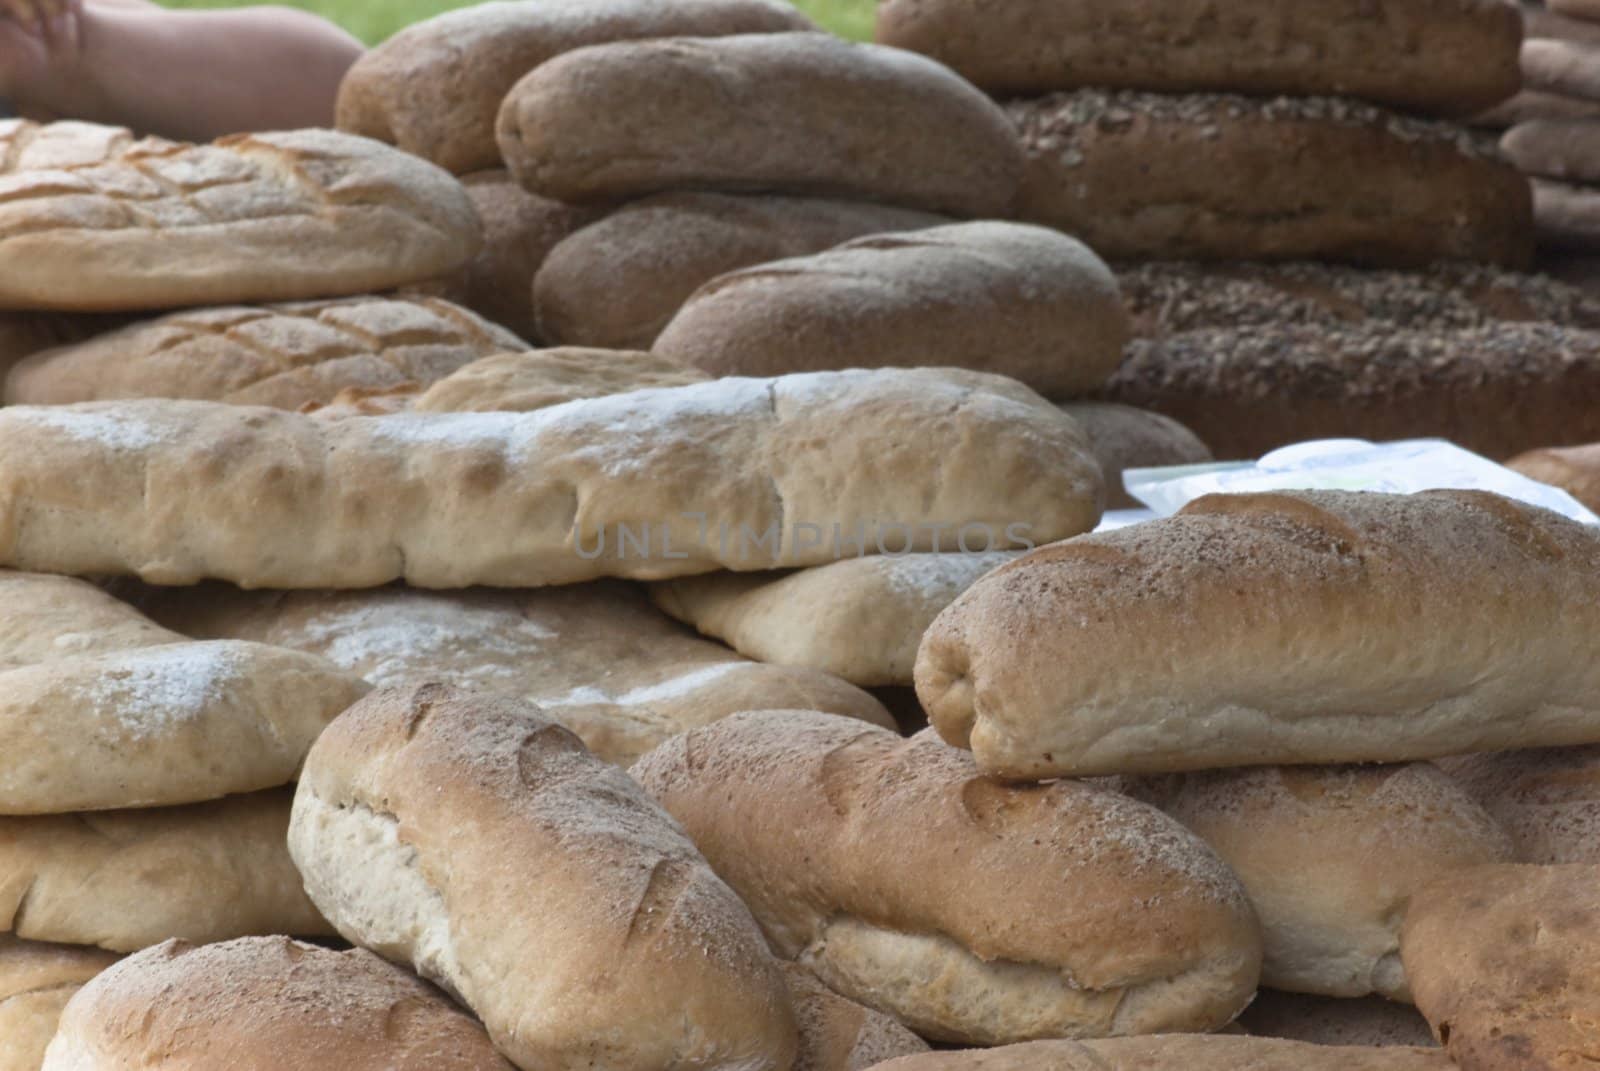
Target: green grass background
(374,20)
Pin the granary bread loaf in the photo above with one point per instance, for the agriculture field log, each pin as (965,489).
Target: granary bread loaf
(1335,1020)
(435,87)
(1556,148)
(649,484)
(788,113)
(1123,437)
(597,658)
(36,981)
(1548,799)
(1021,301)
(837,1034)
(487,848)
(1448,57)
(1192,1052)
(617,283)
(1293,627)
(125,880)
(265,1004)
(1279,179)
(1566,214)
(1576,470)
(284,356)
(971,911)
(253,217)
(523,382)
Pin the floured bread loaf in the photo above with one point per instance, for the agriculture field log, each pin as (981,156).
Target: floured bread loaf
(1570,68)
(785,113)
(1576,470)
(1566,149)
(284,356)
(1501,960)
(838,1034)
(524,382)
(125,880)
(1123,437)
(1280,179)
(860,618)
(1567,215)
(1335,1021)
(1192,1052)
(618,282)
(1021,301)
(434,88)
(649,484)
(597,657)
(1329,855)
(253,217)
(1447,57)
(1294,627)
(972,911)
(36,981)
(569,880)
(1548,799)
(48,618)
(266,1004)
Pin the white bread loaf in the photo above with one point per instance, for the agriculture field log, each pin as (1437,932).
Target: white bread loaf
(1305,627)
(485,847)
(837,1034)
(1189,1052)
(1548,799)
(36,981)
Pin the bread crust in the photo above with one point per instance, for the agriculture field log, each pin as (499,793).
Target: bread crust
(1335,1020)
(1548,799)
(36,981)
(1125,437)
(1196,1052)
(1574,469)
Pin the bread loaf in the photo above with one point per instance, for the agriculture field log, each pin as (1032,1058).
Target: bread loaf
(596,658)
(1578,9)
(788,113)
(23,334)
(1539,21)
(126,880)
(1548,799)
(1450,58)
(998,297)
(1567,215)
(1281,179)
(1123,438)
(1570,68)
(284,356)
(617,283)
(61,146)
(47,618)
(265,1004)
(1335,1021)
(253,217)
(434,88)
(36,981)
(176,491)
(1192,1052)
(1576,470)
(1567,149)
(838,1034)
(971,911)
(1293,627)
(523,382)
(1531,104)
(567,880)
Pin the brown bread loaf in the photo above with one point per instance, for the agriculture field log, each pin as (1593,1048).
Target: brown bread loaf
(1123,437)
(1575,469)
(1548,799)
(1567,215)
(36,981)
(837,1034)
(1567,149)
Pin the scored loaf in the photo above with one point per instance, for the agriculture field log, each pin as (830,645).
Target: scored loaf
(1292,627)
(484,846)
(282,216)
(800,113)
(36,981)
(972,911)
(1191,1052)
(1335,1020)
(643,484)
(1548,799)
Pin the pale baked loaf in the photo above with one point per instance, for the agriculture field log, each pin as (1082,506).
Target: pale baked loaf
(617,283)
(1448,57)
(971,911)
(1292,627)
(1567,215)
(434,88)
(253,217)
(1021,301)
(1531,104)
(47,618)
(36,981)
(837,1034)
(1267,179)
(1335,1020)
(23,334)
(1548,799)
(1502,962)
(1567,149)
(177,491)
(1569,68)
(265,1004)
(284,356)
(60,146)
(803,113)
(487,848)
(125,880)
(1576,470)
(1191,1052)
(1123,437)
(1539,21)
(597,658)
(538,379)
(1329,855)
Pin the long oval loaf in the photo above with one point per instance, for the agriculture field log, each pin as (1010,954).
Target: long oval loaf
(1277,628)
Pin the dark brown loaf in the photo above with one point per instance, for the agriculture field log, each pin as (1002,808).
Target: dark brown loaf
(1575,469)
(1282,179)
(790,113)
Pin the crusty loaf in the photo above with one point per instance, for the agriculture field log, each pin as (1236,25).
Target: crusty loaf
(252,217)
(265,1004)
(62,146)
(1548,799)
(802,113)
(837,1034)
(1567,215)
(1191,1052)
(1576,470)
(1567,149)
(487,848)
(22,334)
(1335,1020)
(1294,627)
(36,981)
(971,911)
(1540,21)
(1280,179)
(1578,9)
(1123,437)
(126,880)
(1447,57)
(618,282)
(47,618)
(643,484)
(523,382)
(1531,104)
(597,658)
(1569,68)
(434,88)
(1021,301)
(284,356)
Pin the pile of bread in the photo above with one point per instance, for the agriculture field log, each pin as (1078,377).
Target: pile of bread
(593,565)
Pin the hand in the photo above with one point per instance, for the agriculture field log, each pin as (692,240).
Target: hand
(39,43)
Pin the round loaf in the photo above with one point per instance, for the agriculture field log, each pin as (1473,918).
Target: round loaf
(1282,179)
(1334,1020)
(1575,469)
(618,282)
(1548,799)
(972,911)
(36,981)
(1446,57)
(1123,437)
(792,113)
(1020,301)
